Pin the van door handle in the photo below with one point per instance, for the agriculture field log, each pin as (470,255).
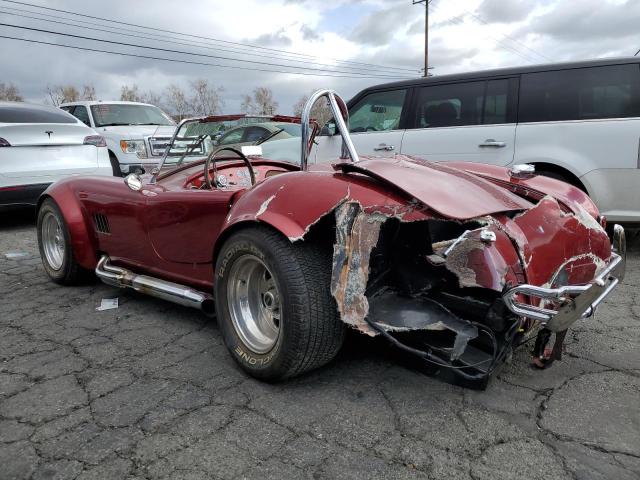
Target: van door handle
(384,147)
(490,142)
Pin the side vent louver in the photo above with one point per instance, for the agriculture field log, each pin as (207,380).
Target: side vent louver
(101,223)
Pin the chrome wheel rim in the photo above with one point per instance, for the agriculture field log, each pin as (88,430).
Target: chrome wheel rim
(53,241)
(254,303)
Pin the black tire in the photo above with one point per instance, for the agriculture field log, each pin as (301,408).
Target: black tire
(115,165)
(70,271)
(310,330)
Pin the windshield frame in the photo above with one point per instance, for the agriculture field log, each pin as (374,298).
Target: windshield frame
(219,118)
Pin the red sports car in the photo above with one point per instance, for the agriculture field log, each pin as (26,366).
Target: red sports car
(454,263)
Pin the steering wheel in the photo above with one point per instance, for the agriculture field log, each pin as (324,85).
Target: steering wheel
(211,161)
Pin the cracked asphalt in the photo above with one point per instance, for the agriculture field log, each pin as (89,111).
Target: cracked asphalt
(148,391)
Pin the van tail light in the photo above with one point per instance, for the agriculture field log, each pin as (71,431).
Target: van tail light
(95,140)
(4,143)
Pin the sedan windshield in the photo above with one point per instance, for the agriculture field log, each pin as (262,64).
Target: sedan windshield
(112,114)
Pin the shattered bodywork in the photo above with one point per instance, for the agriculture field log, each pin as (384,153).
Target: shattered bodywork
(427,248)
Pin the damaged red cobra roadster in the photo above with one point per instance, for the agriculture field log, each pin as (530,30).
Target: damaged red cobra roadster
(456,264)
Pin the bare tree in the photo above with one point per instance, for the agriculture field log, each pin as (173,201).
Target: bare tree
(177,102)
(9,92)
(265,103)
(88,93)
(62,94)
(261,103)
(320,112)
(247,105)
(205,100)
(130,94)
(151,98)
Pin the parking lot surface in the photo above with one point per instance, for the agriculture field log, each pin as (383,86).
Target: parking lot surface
(148,390)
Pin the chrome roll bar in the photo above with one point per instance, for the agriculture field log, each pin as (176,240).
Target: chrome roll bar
(157,169)
(341,117)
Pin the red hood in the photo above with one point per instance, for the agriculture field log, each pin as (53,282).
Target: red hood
(451,192)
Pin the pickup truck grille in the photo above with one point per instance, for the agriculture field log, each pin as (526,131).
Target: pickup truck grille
(157,145)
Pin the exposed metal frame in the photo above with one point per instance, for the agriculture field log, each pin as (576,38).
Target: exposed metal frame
(341,117)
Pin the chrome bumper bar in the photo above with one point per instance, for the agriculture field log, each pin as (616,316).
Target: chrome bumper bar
(577,301)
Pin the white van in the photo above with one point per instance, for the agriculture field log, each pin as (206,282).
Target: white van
(579,122)
(137,134)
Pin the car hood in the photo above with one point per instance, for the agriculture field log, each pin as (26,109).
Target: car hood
(450,192)
(133,132)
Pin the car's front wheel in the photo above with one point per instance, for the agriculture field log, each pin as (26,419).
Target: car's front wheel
(54,243)
(273,304)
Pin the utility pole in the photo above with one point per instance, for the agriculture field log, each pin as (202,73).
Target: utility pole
(426,34)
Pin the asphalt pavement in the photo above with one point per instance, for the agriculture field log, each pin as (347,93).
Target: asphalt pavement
(149,391)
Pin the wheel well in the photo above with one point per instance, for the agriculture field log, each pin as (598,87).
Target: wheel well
(323,231)
(562,172)
(41,201)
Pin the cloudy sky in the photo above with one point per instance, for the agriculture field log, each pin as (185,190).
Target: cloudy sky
(386,35)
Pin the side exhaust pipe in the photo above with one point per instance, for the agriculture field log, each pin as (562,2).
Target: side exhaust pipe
(173,292)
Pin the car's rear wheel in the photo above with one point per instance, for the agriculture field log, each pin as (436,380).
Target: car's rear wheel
(54,243)
(273,304)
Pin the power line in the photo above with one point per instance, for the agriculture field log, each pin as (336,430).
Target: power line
(480,19)
(458,20)
(87,49)
(157,37)
(245,45)
(182,52)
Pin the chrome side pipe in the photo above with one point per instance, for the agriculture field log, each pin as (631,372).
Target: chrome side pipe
(155,287)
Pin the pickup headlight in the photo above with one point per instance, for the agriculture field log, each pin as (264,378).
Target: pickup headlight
(134,146)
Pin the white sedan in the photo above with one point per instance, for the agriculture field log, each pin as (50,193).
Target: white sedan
(41,144)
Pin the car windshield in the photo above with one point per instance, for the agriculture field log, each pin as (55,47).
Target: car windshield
(196,139)
(113,114)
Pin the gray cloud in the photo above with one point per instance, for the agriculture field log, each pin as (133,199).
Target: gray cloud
(309,33)
(379,27)
(588,20)
(276,39)
(500,11)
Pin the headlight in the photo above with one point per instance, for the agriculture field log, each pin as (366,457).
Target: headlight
(134,146)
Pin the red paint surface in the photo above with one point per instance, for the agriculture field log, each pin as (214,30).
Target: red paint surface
(451,192)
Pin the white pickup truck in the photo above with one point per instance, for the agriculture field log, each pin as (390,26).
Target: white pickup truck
(137,134)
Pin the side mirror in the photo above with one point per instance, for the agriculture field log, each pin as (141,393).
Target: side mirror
(133,181)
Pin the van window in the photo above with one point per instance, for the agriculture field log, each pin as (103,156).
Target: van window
(580,94)
(376,112)
(495,102)
(450,105)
